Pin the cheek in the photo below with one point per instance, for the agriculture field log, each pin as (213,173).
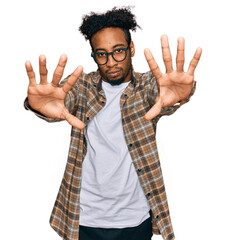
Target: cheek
(127,64)
(101,69)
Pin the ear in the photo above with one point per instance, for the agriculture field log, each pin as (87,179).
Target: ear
(132,49)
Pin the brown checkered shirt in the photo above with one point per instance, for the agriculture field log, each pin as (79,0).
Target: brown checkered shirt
(85,100)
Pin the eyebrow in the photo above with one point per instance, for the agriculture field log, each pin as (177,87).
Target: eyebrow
(115,46)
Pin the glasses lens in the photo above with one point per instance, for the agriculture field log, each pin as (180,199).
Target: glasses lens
(119,54)
(101,58)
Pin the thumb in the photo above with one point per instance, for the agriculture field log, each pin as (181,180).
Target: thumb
(154,110)
(73,121)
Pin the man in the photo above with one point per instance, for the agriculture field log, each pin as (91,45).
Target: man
(113,186)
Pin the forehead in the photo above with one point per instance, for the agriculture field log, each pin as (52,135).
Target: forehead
(108,37)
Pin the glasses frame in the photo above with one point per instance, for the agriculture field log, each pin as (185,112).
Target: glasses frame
(110,53)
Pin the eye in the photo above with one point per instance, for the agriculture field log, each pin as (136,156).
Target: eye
(119,51)
(100,54)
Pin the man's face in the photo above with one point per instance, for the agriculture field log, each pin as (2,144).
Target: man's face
(108,40)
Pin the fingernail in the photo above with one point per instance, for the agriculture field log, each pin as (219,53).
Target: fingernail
(63,56)
(42,57)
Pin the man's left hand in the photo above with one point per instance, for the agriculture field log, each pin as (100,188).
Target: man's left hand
(175,85)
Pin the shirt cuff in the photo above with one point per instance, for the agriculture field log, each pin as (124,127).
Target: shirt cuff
(38,114)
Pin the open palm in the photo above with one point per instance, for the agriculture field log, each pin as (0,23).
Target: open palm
(48,98)
(174,85)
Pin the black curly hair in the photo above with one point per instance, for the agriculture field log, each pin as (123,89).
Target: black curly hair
(117,17)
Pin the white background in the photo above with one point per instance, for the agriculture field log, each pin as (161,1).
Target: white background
(191,142)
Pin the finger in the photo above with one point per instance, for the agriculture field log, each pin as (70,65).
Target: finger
(154,111)
(30,73)
(73,121)
(42,69)
(194,61)
(180,55)
(72,79)
(152,63)
(59,70)
(167,58)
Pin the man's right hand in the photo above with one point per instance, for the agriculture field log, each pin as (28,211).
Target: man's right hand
(48,98)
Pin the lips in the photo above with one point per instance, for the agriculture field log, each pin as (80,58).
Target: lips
(113,74)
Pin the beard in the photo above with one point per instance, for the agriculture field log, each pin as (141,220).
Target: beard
(116,82)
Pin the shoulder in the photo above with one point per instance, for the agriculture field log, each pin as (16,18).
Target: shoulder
(144,78)
(89,78)
(85,79)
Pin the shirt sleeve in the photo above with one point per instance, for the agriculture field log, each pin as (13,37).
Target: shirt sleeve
(70,103)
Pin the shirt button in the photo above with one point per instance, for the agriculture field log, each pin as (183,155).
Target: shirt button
(87,118)
(148,194)
(130,145)
(139,170)
(103,102)
(125,95)
(157,217)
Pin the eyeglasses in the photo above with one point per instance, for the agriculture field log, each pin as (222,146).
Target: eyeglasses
(119,55)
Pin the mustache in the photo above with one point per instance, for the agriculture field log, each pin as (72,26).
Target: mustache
(113,70)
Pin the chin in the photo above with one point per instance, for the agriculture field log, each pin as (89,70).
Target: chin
(116,81)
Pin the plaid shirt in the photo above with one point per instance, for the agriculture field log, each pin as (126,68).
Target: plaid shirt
(85,100)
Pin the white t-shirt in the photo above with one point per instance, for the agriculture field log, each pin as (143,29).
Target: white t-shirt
(111,195)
